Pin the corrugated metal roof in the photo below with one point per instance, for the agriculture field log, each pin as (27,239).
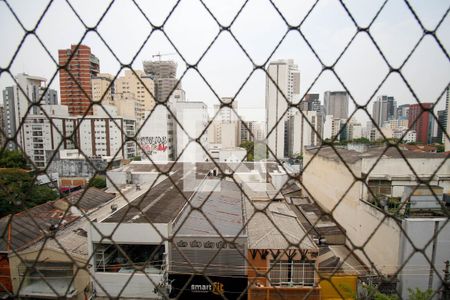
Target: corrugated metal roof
(29,226)
(223,208)
(73,238)
(163,202)
(262,191)
(275,226)
(291,189)
(90,199)
(26,227)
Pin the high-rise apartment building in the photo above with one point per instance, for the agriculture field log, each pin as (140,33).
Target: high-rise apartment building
(178,95)
(2,129)
(355,130)
(127,105)
(447,120)
(18,102)
(226,124)
(336,104)
(75,78)
(440,123)
(246,134)
(335,129)
(384,109)
(282,85)
(226,114)
(254,133)
(98,135)
(103,88)
(311,102)
(421,121)
(141,86)
(43,134)
(397,123)
(403,111)
(163,74)
(305,129)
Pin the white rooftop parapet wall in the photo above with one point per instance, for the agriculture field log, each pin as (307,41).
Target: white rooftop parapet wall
(279,179)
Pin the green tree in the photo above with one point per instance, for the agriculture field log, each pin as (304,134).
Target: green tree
(297,156)
(18,191)
(418,294)
(98,182)
(440,148)
(249,147)
(361,140)
(12,159)
(254,152)
(371,292)
(381,296)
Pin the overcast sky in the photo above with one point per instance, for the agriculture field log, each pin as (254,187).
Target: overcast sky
(259,28)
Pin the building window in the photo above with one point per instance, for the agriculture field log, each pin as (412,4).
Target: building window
(108,258)
(379,189)
(293,272)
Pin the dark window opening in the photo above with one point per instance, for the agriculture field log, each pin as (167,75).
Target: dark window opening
(109,258)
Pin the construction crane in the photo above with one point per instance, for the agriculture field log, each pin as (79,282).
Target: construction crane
(163,54)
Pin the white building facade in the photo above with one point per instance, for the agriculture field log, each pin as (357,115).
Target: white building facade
(156,135)
(193,118)
(354,206)
(17,101)
(97,135)
(305,130)
(282,86)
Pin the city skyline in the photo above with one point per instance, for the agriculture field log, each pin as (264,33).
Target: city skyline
(235,67)
(205,149)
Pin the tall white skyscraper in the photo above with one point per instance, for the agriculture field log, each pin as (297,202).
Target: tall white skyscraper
(282,85)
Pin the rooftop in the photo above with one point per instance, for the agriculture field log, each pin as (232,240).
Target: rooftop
(318,223)
(153,206)
(223,208)
(89,199)
(73,238)
(275,226)
(352,156)
(27,227)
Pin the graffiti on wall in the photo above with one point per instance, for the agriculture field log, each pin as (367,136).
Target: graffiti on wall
(153,144)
